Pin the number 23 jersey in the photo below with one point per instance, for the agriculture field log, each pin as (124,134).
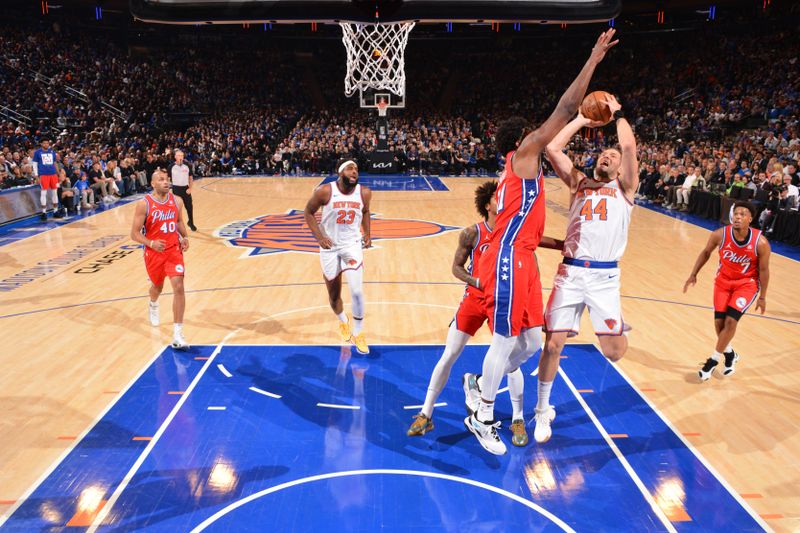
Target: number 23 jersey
(341,217)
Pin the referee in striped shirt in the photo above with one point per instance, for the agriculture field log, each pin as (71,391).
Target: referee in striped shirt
(181,176)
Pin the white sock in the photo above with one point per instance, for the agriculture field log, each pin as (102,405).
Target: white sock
(485,411)
(516,387)
(358,324)
(153,303)
(456,340)
(716,356)
(728,349)
(342,317)
(543,399)
(177,328)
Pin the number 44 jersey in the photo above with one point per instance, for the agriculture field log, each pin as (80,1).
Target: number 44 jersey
(599,218)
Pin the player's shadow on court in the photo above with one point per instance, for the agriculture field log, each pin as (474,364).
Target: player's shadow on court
(305,380)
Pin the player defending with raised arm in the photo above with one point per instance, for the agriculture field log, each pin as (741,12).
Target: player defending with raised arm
(743,272)
(512,288)
(158,225)
(471,315)
(597,235)
(343,232)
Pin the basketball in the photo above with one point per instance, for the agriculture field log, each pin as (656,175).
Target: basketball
(594,106)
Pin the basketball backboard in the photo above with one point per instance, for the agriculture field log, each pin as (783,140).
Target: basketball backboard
(331,11)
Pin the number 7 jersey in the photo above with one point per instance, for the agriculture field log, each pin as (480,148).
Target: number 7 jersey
(599,218)
(161,222)
(341,217)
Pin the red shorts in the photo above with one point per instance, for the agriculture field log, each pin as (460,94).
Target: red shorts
(737,294)
(49,181)
(471,315)
(159,265)
(512,290)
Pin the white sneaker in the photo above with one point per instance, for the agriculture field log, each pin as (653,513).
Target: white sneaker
(486,434)
(178,342)
(472,394)
(544,417)
(154,320)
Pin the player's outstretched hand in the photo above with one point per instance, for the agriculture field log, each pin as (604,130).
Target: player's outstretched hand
(762,304)
(689,283)
(604,43)
(158,245)
(325,242)
(613,104)
(589,123)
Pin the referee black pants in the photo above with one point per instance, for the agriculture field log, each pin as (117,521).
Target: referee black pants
(180,192)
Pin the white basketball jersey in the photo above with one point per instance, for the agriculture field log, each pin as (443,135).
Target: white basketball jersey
(341,217)
(599,218)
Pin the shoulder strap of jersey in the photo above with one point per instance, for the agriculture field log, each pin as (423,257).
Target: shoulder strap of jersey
(479,237)
(725,230)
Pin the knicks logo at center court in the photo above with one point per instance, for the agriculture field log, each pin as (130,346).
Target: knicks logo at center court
(271,234)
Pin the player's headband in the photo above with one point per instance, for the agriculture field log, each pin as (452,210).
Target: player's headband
(344,165)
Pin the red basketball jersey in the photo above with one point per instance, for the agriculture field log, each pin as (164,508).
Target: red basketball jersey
(161,222)
(520,209)
(481,243)
(738,261)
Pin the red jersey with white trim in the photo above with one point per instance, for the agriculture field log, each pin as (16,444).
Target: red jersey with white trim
(482,241)
(738,261)
(161,222)
(520,209)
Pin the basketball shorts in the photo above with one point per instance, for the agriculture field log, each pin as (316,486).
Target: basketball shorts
(575,288)
(512,290)
(49,181)
(337,260)
(471,315)
(734,297)
(164,264)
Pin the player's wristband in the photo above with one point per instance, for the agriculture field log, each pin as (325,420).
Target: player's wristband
(618,114)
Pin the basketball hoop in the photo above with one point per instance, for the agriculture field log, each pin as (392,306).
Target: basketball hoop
(375,56)
(382,106)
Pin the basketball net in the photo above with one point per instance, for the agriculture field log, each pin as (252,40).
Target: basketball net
(375,56)
(382,107)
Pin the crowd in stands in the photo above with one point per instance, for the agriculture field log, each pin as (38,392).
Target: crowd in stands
(703,118)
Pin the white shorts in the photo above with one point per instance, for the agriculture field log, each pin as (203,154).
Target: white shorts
(337,260)
(577,287)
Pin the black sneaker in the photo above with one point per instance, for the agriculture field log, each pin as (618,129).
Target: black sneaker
(707,369)
(730,363)
(192,227)
(43,217)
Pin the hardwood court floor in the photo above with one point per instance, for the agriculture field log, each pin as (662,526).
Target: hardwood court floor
(73,338)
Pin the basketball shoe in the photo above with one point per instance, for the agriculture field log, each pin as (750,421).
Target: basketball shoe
(708,368)
(472,392)
(486,433)
(154,320)
(730,363)
(344,331)
(178,342)
(520,434)
(542,432)
(361,344)
(421,425)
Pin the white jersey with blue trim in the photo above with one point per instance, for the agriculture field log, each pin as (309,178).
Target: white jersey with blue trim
(599,218)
